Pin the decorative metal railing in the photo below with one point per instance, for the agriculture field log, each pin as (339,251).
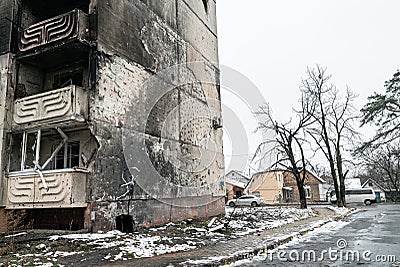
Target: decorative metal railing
(64,189)
(71,25)
(68,103)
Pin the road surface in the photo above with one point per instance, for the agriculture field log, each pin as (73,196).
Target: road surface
(370,237)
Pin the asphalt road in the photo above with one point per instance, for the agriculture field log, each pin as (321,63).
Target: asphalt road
(370,237)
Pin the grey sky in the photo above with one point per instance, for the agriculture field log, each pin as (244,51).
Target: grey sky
(273,42)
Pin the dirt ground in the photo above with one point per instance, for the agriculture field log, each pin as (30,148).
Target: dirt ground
(35,247)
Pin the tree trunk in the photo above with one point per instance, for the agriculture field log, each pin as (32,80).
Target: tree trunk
(339,200)
(302,195)
(342,193)
(342,186)
(303,202)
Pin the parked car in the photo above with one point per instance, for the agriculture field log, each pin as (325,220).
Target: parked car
(357,195)
(247,201)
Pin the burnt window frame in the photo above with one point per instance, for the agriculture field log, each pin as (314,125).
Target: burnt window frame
(23,150)
(49,161)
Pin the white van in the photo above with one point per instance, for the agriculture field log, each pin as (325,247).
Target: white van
(357,195)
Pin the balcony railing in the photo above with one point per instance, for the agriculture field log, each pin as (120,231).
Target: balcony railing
(72,25)
(66,189)
(60,105)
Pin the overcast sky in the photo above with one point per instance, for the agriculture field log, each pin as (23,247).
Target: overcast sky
(273,42)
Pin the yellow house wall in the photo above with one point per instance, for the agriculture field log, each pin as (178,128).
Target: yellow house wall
(269,185)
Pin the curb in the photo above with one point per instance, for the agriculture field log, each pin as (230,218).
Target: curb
(274,244)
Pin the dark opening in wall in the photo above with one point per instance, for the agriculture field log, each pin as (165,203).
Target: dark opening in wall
(33,80)
(205,4)
(68,78)
(57,219)
(34,11)
(124,223)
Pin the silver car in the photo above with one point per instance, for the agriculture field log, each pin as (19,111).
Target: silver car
(246,201)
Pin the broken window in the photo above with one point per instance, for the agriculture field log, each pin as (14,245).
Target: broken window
(67,156)
(15,156)
(33,80)
(28,153)
(30,150)
(68,78)
(25,151)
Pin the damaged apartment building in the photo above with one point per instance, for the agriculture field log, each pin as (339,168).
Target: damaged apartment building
(73,98)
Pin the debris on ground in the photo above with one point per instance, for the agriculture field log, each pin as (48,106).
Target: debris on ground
(27,248)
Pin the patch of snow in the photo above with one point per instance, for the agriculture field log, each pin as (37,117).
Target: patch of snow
(41,246)
(48,264)
(246,221)
(18,234)
(65,253)
(339,210)
(88,236)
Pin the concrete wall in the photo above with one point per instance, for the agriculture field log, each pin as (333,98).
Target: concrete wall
(132,42)
(7,70)
(7,14)
(136,40)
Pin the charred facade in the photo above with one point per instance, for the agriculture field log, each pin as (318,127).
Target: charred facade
(74,85)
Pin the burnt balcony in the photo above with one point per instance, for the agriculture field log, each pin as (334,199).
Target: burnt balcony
(64,106)
(57,40)
(56,189)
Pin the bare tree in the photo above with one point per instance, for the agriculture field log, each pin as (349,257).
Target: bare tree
(383,163)
(289,143)
(333,120)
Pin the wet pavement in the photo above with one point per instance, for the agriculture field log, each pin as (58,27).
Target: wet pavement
(370,237)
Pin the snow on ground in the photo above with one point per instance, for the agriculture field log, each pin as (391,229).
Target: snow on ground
(14,235)
(249,220)
(169,238)
(339,210)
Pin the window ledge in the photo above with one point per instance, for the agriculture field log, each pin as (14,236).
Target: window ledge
(31,172)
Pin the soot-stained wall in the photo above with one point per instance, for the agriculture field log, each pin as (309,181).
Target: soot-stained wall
(137,40)
(150,106)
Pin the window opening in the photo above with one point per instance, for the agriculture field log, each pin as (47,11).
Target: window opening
(287,194)
(25,155)
(307,191)
(69,78)
(67,156)
(30,150)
